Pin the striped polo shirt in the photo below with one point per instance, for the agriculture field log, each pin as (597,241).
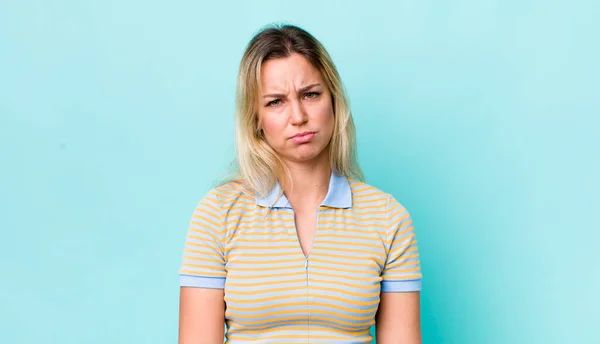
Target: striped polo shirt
(364,244)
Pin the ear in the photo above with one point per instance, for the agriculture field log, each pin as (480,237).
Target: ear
(259,129)
(333,105)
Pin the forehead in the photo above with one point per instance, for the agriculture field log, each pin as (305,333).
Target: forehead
(292,71)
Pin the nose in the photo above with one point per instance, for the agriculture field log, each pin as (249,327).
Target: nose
(298,115)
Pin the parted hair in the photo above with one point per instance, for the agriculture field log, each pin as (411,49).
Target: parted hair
(257,166)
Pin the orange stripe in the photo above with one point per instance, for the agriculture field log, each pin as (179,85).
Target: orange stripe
(200,208)
(274,335)
(195,230)
(316,323)
(265,276)
(391,276)
(204,273)
(230,283)
(328,263)
(266,315)
(312,318)
(301,303)
(341,277)
(217,226)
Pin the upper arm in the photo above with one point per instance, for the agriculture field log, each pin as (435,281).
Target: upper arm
(402,270)
(398,318)
(202,276)
(398,315)
(201,316)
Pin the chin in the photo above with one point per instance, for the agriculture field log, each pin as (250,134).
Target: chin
(305,155)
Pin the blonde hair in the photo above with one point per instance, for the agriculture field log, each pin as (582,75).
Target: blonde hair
(257,165)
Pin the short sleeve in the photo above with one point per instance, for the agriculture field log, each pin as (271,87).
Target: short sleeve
(203,263)
(402,271)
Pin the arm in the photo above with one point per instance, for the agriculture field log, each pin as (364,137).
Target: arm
(398,315)
(398,318)
(201,316)
(203,275)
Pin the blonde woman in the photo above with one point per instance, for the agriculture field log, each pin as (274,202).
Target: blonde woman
(297,248)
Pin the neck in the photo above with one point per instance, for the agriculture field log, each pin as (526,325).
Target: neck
(310,184)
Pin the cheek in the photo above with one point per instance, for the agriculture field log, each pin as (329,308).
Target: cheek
(325,116)
(273,127)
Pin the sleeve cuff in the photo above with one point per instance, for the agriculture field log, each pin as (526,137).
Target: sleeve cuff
(201,282)
(400,286)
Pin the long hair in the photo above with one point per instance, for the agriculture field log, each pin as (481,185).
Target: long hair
(257,165)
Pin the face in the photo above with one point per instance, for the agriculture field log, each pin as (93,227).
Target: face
(295,109)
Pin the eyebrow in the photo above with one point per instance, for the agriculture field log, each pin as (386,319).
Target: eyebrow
(302,90)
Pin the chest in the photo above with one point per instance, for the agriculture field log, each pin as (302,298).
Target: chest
(270,278)
(305,225)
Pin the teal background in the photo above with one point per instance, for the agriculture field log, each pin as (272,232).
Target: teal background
(481,117)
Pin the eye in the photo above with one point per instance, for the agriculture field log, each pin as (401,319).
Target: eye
(274,102)
(312,95)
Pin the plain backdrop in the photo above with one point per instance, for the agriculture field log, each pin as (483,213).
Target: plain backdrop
(481,117)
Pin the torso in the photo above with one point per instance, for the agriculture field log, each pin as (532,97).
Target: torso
(308,275)
(306,222)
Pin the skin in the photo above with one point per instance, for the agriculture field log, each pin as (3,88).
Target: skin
(295,99)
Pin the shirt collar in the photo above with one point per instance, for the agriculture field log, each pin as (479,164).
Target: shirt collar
(339,194)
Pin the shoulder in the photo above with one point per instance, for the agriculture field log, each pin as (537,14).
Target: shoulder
(230,194)
(362,191)
(367,194)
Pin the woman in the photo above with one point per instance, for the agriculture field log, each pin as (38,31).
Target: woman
(297,249)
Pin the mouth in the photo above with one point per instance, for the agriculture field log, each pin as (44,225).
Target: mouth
(303,137)
(300,135)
